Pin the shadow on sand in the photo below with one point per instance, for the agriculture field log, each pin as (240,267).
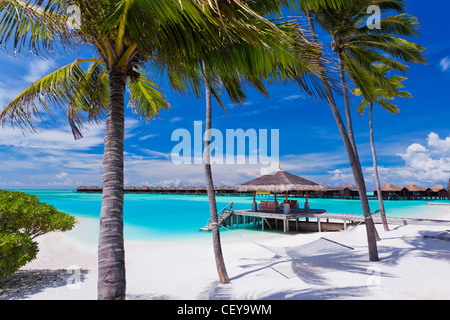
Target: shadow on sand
(25,283)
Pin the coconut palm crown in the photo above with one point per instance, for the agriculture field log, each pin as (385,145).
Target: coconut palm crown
(125,36)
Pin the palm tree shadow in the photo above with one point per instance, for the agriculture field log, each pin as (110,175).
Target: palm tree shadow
(319,294)
(149,296)
(25,283)
(310,267)
(429,247)
(313,268)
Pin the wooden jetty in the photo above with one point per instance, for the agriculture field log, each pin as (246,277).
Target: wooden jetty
(310,220)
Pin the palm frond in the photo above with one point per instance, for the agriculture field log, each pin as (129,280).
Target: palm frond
(378,93)
(389,106)
(359,75)
(70,88)
(146,98)
(398,48)
(367,58)
(28,26)
(399,25)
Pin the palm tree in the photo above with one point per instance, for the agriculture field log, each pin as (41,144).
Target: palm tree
(358,47)
(114,30)
(381,96)
(244,65)
(353,157)
(448,189)
(237,98)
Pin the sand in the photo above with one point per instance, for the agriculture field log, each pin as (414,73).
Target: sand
(261,265)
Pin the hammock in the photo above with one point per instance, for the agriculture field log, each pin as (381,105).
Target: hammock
(318,247)
(445,236)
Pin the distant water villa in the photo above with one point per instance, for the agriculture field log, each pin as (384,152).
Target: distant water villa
(346,191)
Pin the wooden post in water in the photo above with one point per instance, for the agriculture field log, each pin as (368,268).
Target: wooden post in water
(307,207)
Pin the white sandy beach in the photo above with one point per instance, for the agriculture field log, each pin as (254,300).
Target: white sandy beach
(410,266)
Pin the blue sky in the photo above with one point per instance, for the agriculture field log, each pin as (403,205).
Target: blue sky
(412,147)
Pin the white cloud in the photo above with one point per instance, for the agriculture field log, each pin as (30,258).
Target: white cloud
(341,176)
(38,69)
(148,136)
(423,164)
(60,138)
(426,165)
(445,64)
(438,145)
(29,168)
(8,93)
(175,119)
(293,97)
(156,154)
(62,175)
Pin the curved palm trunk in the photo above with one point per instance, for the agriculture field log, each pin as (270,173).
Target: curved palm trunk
(353,158)
(111,253)
(220,263)
(375,171)
(351,135)
(347,104)
(448,189)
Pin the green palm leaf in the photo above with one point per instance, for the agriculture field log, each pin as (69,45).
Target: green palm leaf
(28,26)
(70,88)
(377,93)
(146,98)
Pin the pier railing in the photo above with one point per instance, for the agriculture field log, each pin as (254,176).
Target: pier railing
(223,215)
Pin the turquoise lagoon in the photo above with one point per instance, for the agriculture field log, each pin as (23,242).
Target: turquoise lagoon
(163,217)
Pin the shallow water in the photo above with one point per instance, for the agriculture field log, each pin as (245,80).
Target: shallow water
(163,217)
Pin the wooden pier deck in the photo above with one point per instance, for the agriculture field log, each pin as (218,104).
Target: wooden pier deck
(245,217)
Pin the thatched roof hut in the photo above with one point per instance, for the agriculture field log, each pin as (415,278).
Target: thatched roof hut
(412,191)
(414,188)
(280,181)
(348,187)
(389,187)
(389,191)
(347,190)
(438,188)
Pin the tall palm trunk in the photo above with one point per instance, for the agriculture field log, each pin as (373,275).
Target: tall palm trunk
(111,253)
(354,162)
(348,114)
(220,263)
(448,189)
(375,171)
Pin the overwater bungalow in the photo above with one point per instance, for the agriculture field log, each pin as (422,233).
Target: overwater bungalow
(349,191)
(270,212)
(390,192)
(333,192)
(413,192)
(345,191)
(280,182)
(93,189)
(439,192)
(224,189)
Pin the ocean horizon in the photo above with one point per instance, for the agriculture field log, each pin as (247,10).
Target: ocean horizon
(172,217)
